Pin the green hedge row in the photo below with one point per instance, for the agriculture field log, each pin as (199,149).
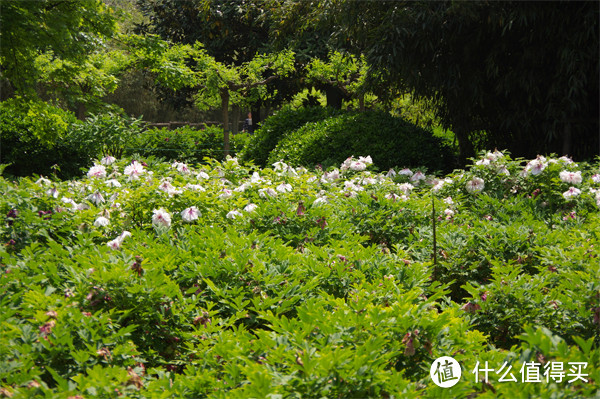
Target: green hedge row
(185,144)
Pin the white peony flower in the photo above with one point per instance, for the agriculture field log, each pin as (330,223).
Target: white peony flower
(255,178)
(96,198)
(346,164)
(571,192)
(97,171)
(161,218)
(566,160)
(536,166)
(475,185)
(392,196)
(242,187)
(405,172)
(202,175)
(406,188)
(195,187)
(250,208)
(42,181)
(366,160)
(112,183)
(570,177)
(101,221)
(52,192)
(417,177)
(225,194)
(330,176)
(134,170)
(181,167)
(284,188)
(357,166)
(233,214)
(108,160)
(264,192)
(116,243)
(280,166)
(320,201)
(190,214)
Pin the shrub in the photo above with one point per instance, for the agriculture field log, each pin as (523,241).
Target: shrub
(279,126)
(35,137)
(390,141)
(186,144)
(108,133)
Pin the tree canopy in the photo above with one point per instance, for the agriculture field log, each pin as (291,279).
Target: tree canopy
(526,73)
(68,31)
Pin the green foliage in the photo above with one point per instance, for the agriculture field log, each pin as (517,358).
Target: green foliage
(68,31)
(325,288)
(107,134)
(36,136)
(184,144)
(485,66)
(343,71)
(278,126)
(390,141)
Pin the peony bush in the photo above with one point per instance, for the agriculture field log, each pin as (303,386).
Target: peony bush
(152,279)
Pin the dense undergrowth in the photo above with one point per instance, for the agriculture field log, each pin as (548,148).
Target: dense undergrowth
(152,279)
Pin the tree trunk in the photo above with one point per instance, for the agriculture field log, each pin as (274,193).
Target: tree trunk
(465,147)
(225,114)
(256,119)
